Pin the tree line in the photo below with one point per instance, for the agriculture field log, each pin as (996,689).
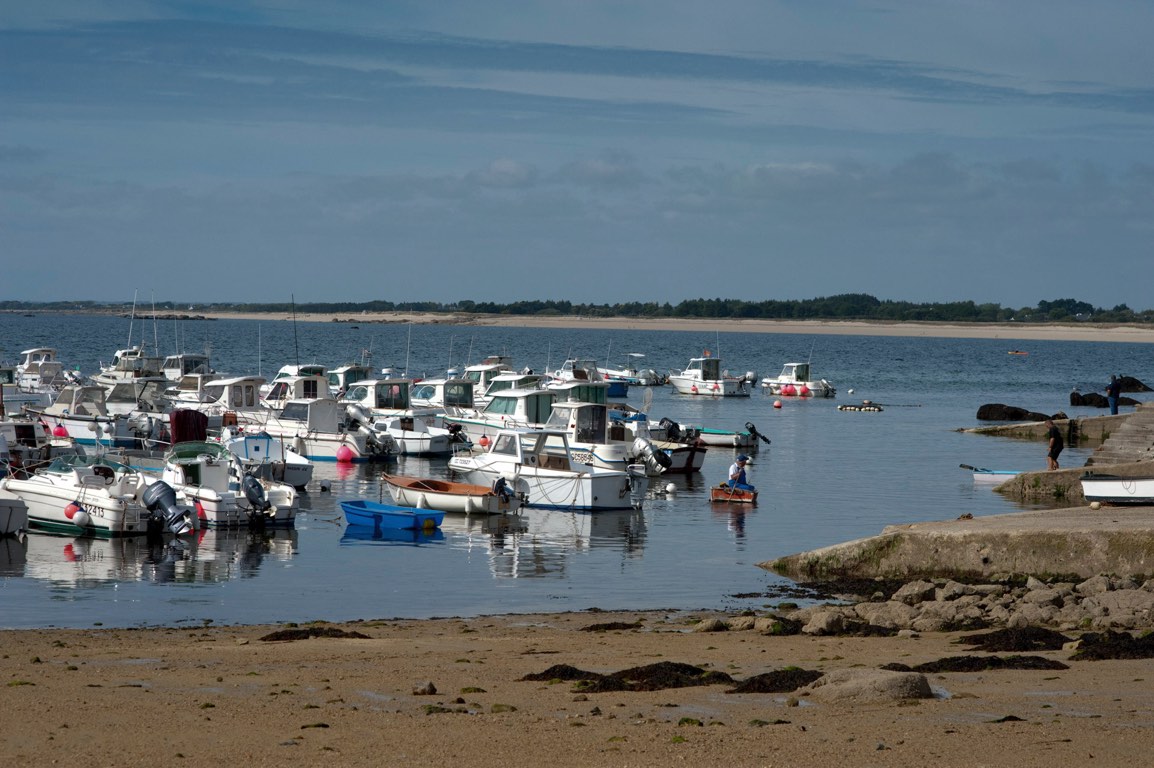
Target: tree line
(846,306)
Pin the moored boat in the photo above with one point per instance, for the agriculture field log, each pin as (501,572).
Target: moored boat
(448,496)
(379,515)
(1115,489)
(704,377)
(794,381)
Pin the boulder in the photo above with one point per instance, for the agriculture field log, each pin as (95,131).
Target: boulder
(857,686)
(1131,384)
(1095,400)
(1000,412)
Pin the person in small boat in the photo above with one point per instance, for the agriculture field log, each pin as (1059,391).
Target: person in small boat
(1054,444)
(737,474)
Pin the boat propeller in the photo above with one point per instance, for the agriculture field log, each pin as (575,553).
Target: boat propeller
(753,431)
(160,499)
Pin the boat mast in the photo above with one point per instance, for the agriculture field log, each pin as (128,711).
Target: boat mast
(131,317)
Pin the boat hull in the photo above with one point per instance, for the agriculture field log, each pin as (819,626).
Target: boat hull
(461,498)
(716,388)
(1113,489)
(48,510)
(722,493)
(376,515)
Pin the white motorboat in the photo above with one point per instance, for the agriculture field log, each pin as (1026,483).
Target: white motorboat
(795,381)
(344,376)
(510,408)
(586,370)
(322,430)
(81,413)
(205,476)
(438,394)
(447,496)
(40,371)
(705,378)
(413,437)
(537,465)
(25,443)
(95,495)
(1115,489)
(14,397)
(631,374)
(128,364)
(265,456)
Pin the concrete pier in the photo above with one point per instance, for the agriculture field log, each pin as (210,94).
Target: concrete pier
(1075,542)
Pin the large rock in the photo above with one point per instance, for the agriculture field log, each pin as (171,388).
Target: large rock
(1095,400)
(864,686)
(1131,384)
(1000,412)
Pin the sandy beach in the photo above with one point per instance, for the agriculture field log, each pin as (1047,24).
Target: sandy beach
(1009,331)
(210,696)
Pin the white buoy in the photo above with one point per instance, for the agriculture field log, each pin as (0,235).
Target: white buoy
(850,390)
(670,488)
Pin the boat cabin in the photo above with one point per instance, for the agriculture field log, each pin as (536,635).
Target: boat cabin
(147,394)
(534,448)
(443,393)
(324,415)
(798,372)
(79,400)
(130,363)
(581,391)
(585,423)
(176,367)
(340,379)
(511,380)
(196,463)
(240,393)
(520,406)
(38,368)
(706,368)
(300,387)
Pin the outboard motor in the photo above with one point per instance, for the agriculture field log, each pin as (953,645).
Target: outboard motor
(753,431)
(656,460)
(254,492)
(457,433)
(501,488)
(160,499)
(672,428)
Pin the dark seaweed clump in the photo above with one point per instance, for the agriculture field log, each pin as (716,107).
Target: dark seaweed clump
(562,672)
(305,633)
(983,663)
(1017,639)
(611,626)
(653,677)
(1096,646)
(778,681)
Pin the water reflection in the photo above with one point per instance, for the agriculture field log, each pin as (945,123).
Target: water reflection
(210,556)
(376,534)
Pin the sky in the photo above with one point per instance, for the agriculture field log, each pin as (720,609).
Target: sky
(581,150)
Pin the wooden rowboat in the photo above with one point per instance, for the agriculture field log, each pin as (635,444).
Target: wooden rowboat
(377,515)
(723,493)
(464,498)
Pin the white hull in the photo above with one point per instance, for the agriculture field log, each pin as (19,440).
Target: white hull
(1111,489)
(688,385)
(460,503)
(549,489)
(799,388)
(107,515)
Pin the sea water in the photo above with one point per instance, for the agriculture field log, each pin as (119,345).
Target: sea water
(829,476)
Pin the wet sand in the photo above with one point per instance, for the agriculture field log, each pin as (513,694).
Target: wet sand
(211,696)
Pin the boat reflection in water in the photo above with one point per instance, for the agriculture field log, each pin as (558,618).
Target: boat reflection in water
(541,543)
(376,534)
(210,555)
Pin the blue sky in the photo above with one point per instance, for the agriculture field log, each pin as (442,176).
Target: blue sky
(582,150)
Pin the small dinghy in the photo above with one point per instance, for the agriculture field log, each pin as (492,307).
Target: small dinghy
(377,515)
(464,498)
(983,475)
(722,492)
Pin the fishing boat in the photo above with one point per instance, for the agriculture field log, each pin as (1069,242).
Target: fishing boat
(538,465)
(704,377)
(795,381)
(413,437)
(631,374)
(265,456)
(723,492)
(585,369)
(448,496)
(379,515)
(1115,489)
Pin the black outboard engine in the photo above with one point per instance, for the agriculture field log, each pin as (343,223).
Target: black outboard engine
(753,431)
(254,492)
(501,488)
(160,500)
(457,433)
(672,429)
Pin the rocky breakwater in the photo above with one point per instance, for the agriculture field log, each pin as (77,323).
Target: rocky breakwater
(1076,543)
(944,605)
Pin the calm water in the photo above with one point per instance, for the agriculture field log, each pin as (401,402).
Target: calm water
(828,477)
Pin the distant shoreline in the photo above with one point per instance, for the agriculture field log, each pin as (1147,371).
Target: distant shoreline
(1009,331)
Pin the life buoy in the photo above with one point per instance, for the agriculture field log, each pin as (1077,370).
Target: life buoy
(693,389)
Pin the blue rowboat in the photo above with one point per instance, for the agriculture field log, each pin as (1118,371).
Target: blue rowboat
(375,514)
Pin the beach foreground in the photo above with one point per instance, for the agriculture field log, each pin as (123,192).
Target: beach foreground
(215,696)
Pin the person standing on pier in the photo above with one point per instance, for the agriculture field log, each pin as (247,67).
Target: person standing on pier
(1054,445)
(1113,390)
